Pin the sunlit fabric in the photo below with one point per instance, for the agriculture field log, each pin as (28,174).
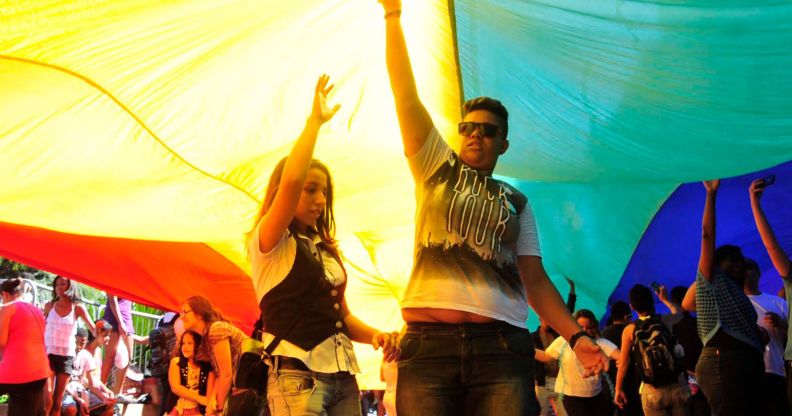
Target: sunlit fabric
(137,137)
(613,104)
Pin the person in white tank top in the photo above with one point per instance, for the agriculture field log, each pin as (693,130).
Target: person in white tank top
(61,315)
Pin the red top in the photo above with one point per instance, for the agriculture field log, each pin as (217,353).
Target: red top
(25,357)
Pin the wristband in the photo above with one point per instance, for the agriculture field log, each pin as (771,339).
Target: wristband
(576,337)
(396,13)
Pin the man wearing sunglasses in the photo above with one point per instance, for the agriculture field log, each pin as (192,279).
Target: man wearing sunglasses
(477,267)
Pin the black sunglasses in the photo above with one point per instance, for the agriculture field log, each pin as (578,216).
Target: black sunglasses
(466,128)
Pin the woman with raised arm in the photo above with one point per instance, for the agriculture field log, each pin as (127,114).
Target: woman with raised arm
(61,315)
(299,276)
(731,367)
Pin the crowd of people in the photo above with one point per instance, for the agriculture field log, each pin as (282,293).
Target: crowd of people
(721,349)
(465,348)
(52,366)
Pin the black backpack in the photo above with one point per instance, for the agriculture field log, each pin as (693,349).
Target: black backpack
(656,354)
(162,341)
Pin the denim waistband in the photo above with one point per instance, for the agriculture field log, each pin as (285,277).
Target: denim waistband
(464,329)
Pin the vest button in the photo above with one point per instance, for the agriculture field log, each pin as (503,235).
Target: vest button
(333,292)
(339,324)
(336,306)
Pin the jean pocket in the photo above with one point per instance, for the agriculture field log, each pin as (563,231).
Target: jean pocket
(411,346)
(517,343)
(653,399)
(293,383)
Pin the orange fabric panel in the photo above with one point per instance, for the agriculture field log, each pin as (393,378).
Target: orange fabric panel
(157,273)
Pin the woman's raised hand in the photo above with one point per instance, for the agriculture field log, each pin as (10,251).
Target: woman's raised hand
(321,112)
(712,185)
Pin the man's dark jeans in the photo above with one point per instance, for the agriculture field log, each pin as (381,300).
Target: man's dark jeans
(466,369)
(731,379)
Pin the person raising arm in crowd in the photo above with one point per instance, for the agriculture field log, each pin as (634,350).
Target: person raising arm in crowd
(477,263)
(730,367)
(780,261)
(300,278)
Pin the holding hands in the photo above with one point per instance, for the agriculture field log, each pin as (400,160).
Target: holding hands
(591,357)
(389,342)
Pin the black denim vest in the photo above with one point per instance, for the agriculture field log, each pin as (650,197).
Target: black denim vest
(305,308)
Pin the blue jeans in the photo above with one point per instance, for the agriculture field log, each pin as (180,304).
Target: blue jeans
(666,400)
(306,393)
(466,369)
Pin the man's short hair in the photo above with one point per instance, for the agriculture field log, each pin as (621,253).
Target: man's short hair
(728,252)
(751,264)
(620,310)
(678,294)
(81,332)
(489,104)
(641,299)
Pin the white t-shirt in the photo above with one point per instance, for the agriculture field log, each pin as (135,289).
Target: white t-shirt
(774,352)
(469,230)
(570,379)
(84,364)
(335,353)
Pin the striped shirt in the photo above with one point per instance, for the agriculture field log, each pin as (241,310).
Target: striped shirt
(721,304)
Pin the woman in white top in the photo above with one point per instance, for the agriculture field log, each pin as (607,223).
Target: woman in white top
(61,315)
(582,396)
(298,274)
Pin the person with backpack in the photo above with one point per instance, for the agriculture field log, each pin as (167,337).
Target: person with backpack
(162,342)
(622,315)
(650,345)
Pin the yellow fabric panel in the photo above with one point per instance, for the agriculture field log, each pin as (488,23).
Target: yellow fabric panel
(163,120)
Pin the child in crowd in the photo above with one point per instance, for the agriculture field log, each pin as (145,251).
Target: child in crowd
(75,401)
(189,379)
(101,400)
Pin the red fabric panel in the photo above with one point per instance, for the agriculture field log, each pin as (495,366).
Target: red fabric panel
(156,273)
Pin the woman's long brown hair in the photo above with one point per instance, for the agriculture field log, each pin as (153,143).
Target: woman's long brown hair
(325,225)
